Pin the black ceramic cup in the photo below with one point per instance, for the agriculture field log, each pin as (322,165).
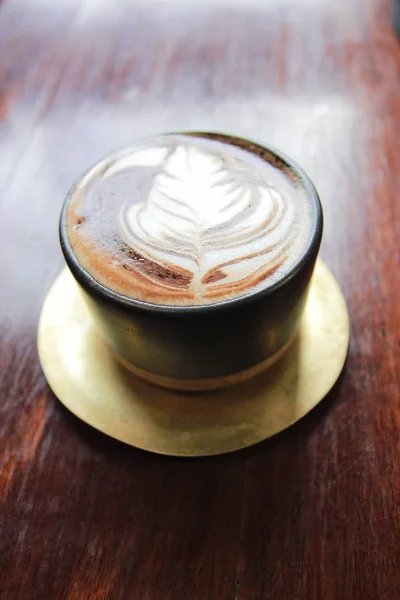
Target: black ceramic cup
(204,346)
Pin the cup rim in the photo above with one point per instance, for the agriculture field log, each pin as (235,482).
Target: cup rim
(93,287)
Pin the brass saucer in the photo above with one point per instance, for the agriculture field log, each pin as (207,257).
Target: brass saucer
(89,381)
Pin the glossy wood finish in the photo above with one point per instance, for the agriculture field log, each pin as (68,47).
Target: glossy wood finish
(313,513)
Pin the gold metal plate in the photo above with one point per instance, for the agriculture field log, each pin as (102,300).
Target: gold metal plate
(91,383)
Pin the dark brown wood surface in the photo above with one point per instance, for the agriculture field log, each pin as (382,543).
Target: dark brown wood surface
(312,514)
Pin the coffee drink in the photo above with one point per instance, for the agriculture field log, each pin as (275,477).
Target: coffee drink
(194,253)
(189,219)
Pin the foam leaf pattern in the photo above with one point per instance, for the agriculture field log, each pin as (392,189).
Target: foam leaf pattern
(210,218)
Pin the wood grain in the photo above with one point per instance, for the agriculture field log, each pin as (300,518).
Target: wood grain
(313,513)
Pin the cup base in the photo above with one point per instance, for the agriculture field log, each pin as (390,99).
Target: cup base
(205,384)
(92,384)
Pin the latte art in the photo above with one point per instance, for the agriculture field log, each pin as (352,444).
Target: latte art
(186,220)
(206,220)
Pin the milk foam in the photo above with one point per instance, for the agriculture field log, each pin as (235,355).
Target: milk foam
(201,222)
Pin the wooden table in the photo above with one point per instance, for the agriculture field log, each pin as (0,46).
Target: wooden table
(311,514)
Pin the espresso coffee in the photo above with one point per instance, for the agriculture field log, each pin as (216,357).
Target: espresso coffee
(189,219)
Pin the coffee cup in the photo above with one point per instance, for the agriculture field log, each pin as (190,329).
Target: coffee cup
(194,252)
